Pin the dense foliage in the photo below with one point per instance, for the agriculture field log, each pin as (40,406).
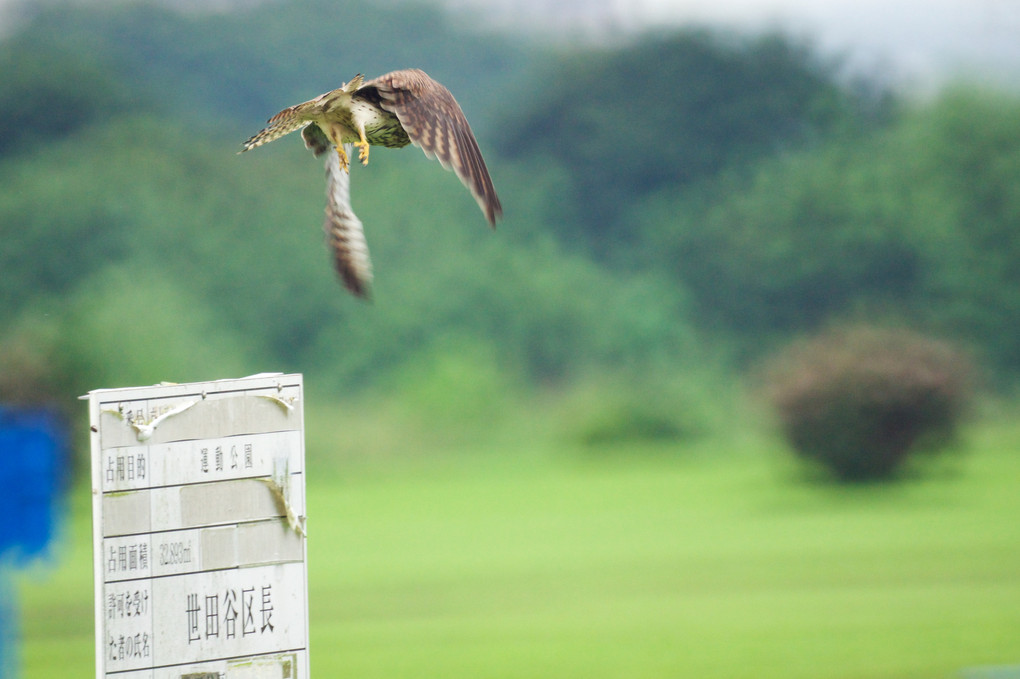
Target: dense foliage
(671,203)
(668,113)
(918,221)
(860,400)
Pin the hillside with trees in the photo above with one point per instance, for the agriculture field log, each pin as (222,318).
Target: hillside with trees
(676,207)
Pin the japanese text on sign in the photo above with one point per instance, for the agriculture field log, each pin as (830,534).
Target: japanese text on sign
(198,518)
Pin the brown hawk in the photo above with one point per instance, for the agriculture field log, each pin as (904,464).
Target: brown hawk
(396,109)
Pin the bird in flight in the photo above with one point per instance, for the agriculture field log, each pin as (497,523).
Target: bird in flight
(394,110)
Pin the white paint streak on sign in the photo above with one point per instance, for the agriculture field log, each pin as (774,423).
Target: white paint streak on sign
(198,501)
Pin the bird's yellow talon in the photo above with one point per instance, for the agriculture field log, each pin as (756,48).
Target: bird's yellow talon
(362,145)
(345,164)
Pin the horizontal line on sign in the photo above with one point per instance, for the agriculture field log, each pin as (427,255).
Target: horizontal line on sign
(209,660)
(239,522)
(203,438)
(202,572)
(248,390)
(196,483)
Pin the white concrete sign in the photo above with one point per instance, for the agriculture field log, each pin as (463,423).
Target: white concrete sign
(198,509)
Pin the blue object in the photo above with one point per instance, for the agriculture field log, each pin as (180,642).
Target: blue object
(33,462)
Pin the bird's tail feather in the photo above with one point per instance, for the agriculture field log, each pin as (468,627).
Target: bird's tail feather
(344,233)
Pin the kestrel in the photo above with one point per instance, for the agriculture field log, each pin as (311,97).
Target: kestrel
(396,109)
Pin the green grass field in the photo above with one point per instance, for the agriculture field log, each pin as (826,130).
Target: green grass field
(705,561)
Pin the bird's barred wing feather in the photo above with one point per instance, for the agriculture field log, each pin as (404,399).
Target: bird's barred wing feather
(284,122)
(435,122)
(344,233)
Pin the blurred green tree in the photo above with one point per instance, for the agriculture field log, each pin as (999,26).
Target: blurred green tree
(48,92)
(917,221)
(665,113)
(812,236)
(248,63)
(961,164)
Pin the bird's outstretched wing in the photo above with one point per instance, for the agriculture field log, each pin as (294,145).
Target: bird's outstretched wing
(435,122)
(286,121)
(344,233)
(298,116)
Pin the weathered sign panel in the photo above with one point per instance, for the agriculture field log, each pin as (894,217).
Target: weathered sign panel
(198,503)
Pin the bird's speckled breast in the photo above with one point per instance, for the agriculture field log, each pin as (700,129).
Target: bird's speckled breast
(381,127)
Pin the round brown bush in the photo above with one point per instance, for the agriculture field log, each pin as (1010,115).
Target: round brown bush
(859,400)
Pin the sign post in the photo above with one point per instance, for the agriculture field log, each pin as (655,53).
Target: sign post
(198,505)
